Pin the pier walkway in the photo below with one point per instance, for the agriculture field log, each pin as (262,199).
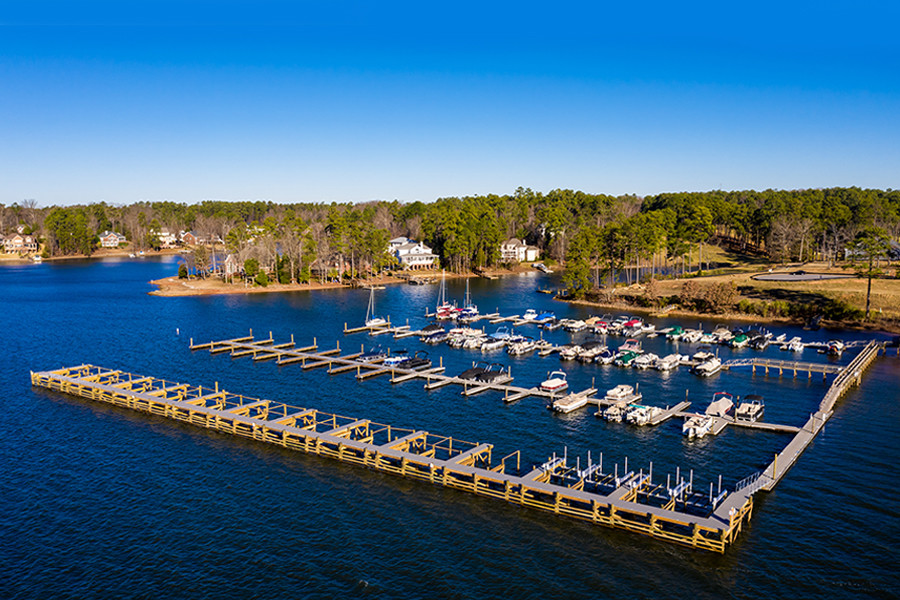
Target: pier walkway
(555,487)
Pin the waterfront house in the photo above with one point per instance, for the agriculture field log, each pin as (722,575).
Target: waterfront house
(232,265)
(111,239)
(514,250)
(167,239)
(412,254)
(20,242)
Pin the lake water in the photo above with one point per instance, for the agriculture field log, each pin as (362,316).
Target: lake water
(102,502)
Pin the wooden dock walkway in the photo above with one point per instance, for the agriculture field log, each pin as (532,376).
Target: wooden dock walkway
(780,366)
(553,487)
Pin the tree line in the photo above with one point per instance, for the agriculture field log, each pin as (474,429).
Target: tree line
(595,235)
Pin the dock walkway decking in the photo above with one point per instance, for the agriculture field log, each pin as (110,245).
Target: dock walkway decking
(411,453)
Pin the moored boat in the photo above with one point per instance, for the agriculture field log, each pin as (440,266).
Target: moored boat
(555,382)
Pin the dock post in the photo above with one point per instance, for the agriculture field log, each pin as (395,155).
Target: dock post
(217,387)
(251,332)
(292,338)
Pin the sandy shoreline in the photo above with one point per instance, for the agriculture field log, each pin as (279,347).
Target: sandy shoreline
(173,286)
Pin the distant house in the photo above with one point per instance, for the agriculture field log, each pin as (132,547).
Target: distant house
(189,238)
(892,253)
(232,265)
(20,228)
(111,239)
(513,250)
(167,239)
(20,242)
(412,254)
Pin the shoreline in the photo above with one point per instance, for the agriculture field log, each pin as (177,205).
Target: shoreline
(172,286)
(735,316)
(101,253)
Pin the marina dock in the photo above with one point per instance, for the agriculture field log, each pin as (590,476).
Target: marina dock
(629,502)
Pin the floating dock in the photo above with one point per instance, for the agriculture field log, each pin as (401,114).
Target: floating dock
(630,501)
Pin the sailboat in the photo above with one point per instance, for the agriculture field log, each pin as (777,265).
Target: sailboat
(371,319)
(469,311)
(444,309)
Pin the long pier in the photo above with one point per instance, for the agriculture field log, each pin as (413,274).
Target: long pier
(630,501)
(848,377)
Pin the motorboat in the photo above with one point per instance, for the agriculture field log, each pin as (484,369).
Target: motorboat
(371,319)
(675,334)
(545,316)
(437,337)
(708,367)
(569,351)
(624,359)
(794,345)
(589,350)
(497,340)
(702,354)
(697,426)
(555,382)
(750,408)
(780,338)
(521,346)
(721,406)
(552,324)
(375,354)
(622,393)
(396,359)
(691,336)
(668,362)
(530,315)
(835,348)
(605,357)
(574,325)
(474,342)
(639,414)
(631,345)
(739,341)
(492,373)
(474,371)
(645,361)
(760,342)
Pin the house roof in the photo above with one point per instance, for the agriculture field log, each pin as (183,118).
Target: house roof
(401,240)
(514,243)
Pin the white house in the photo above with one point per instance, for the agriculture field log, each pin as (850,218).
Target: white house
(20,243)
(513,250)
(111,239)
(412,254)
(167,239)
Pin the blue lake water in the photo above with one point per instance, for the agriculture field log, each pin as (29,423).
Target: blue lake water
(102,502)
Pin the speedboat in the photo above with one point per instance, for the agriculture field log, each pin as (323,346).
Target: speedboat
(569,351)
(835,348)
(739,341)
(691,336)
(750,409)
(396,359)
(605,357)
(555,382)
(496,340)
(575,325)
(697,426)
(708,367)
(669,362)
(645,361)
(589,350)
(639,414)
(631,345)
(624,359)
(373,355)
(794,345)
(552,324)
(622,393)
(545,316)
(722,404)
(675,334)
(530,315)
(522,346)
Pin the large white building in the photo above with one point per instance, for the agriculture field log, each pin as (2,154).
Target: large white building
(514,250)
(412,254)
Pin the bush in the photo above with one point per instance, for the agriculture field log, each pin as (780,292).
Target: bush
(251,267)
(262,279)
(182,271)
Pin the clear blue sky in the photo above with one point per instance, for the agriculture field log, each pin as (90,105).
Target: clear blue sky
(352,101)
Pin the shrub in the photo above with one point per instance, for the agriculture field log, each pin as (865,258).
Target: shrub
(182,271)
(262,279)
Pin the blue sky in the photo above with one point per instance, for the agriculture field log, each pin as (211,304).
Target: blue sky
(353,101)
